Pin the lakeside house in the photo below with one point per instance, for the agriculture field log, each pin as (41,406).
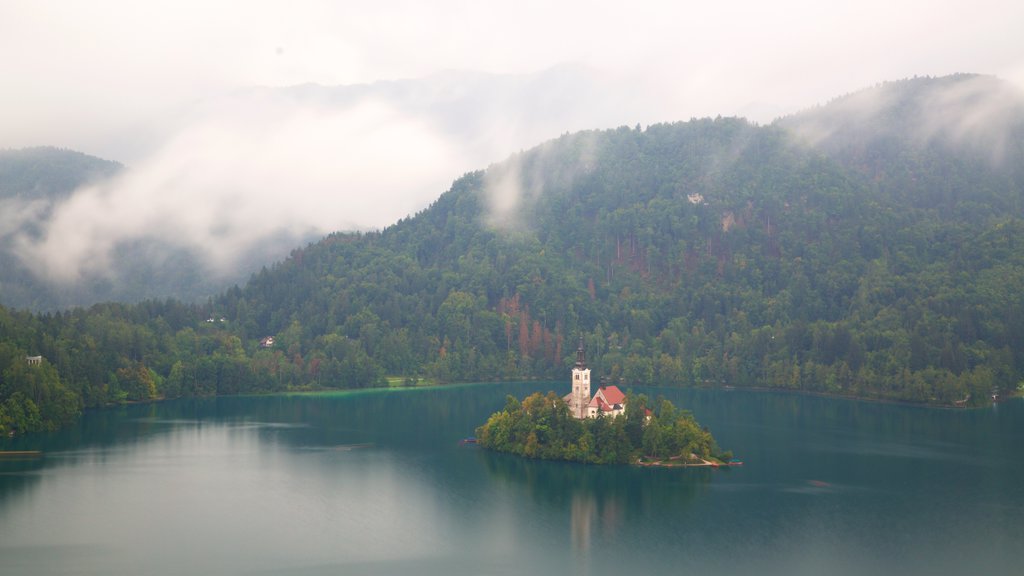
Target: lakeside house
(608,400)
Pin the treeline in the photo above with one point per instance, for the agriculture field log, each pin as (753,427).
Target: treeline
(704,253)
(541,427)
(115,353)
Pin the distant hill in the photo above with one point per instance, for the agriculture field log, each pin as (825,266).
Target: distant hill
(49,174)
(34,181)
(870,247)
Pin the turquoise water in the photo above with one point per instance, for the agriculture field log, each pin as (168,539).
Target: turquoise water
(377,483)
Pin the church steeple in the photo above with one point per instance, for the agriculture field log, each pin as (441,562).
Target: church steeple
(579,398)
(581,361)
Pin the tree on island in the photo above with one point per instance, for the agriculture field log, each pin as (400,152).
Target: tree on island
(541,426)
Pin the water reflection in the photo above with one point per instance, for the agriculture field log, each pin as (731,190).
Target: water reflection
(602,499)
(376,483)
(17,477)
(584,510)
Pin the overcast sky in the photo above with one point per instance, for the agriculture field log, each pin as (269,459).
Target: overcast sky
(164,88)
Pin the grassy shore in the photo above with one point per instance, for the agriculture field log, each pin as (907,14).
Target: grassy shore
(409,382)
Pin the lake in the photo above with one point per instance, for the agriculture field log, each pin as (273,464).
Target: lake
(376,483)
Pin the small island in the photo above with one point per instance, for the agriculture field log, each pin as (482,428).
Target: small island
(608,428)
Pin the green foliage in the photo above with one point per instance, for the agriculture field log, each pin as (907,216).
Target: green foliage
(671,433)
(32,396)
(541,427)
(880,262)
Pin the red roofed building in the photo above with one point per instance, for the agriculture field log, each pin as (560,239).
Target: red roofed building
(608,400)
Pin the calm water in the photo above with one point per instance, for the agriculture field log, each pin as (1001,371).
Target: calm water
(376,483)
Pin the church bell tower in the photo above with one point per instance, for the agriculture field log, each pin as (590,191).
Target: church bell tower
(580,384)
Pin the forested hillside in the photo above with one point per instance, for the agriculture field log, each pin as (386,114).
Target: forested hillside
(867,248)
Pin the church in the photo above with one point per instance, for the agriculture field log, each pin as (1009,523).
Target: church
(608,400)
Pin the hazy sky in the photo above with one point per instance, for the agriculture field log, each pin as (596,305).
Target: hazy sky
(164,88)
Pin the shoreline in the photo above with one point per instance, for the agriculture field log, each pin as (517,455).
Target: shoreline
(693,461)
(723,388)
(441,385)
(885,400)
(839,396)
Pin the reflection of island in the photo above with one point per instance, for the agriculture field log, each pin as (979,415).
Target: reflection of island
(584,510)
(601,499)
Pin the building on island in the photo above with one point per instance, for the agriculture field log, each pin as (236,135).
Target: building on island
(608,400)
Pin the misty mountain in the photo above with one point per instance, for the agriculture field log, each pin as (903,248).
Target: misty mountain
(49,174)
(860,248)
(964,113)
(35,182)
(866,248)
(32,182)
(237,179)
(926,142)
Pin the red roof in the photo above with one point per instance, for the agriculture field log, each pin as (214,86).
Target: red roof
(613,395)
(600,404)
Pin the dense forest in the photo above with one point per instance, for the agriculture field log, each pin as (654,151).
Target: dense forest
(867,247)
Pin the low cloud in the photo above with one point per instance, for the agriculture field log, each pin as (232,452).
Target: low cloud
(512,186)
(245,169)
(307,160)
(980,113)
(278,165)
(973,113)
(15,212)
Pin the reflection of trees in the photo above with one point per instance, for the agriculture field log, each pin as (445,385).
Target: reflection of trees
(408,418)
(18,475)
(601,499)
(798,413)
(417,419)
(87,439)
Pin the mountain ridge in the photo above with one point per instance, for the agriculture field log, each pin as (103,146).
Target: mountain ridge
(732,211)
(701,253)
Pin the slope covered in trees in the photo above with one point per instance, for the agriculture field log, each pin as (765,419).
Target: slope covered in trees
(877,260)
(868,248)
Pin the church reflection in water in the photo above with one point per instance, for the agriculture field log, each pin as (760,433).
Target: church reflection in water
(588,514)
(601,499)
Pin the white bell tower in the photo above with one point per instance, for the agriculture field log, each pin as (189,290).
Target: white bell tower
(580,385)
